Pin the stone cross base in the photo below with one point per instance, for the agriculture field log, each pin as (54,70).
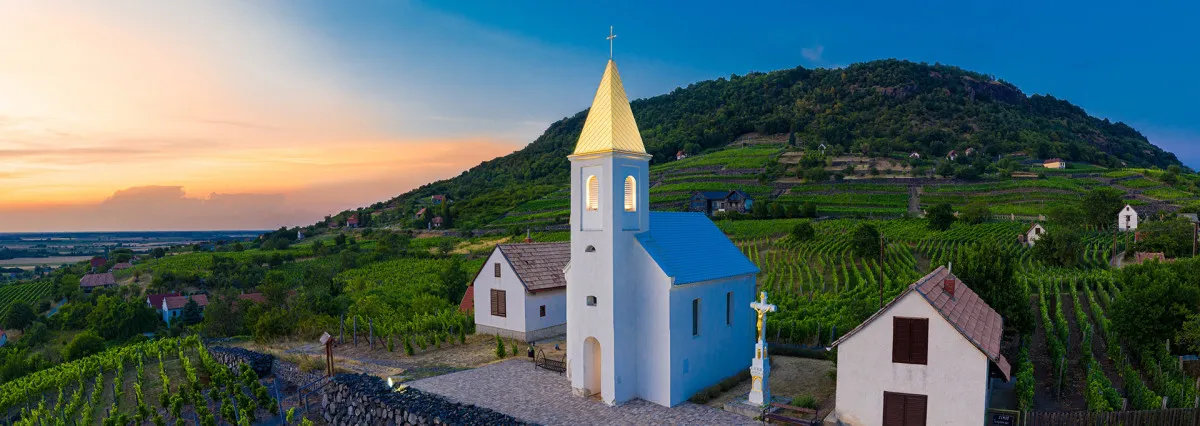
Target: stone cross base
(760,371)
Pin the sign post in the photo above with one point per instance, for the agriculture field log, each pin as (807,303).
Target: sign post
(327,340)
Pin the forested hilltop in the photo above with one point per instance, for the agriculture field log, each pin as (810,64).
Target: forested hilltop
(879,108)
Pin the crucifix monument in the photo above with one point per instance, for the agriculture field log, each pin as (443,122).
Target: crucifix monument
(760,367)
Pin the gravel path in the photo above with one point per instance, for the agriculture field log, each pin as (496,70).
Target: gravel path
(518,389)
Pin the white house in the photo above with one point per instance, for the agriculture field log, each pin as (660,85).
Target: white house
(1034,233)
(945,346)
(657,302)
(1127,219)
(172,306)
(521,291)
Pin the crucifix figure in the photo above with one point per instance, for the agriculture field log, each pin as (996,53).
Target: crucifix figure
(761,307)
(760,367)
(610,38)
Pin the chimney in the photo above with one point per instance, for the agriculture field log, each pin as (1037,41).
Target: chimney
(528,236)
(949,284)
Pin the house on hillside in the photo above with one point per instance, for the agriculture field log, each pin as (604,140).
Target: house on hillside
(680,155)
(98,263)
(1143,257)
(945,351)
(437,199)
(436,222)
(352,221)
(710,202)
(1127,219)
(969,152)
(420,214)
(523,290)
(915,155)
(1054,163)
(122,266)
(1031,235)
(952,155)
(156,300)
(172,307)
(91,282)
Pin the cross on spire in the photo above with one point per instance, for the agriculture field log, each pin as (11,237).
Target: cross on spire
(610,38)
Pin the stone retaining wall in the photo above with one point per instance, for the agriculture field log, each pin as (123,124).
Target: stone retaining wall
(359,399)
(293,375)
(231,357)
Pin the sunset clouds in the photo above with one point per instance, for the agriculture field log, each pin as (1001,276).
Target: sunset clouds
(187,103)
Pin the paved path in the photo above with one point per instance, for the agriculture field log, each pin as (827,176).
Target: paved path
(535,395)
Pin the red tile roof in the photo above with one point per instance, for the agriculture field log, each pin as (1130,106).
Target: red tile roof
(974,319)
(538,265)
(437,220)
(1053,160)
(468,300)
(97,280)
(155,300)
(122,265)
(353,220)
(98,262)
(253,297)
(178,302)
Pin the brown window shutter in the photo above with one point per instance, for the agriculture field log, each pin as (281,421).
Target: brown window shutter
(503,303)
(900,340)
(893,409)
(495,306)
(919,338)
(497,268)
(914,410)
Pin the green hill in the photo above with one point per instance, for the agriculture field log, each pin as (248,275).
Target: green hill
(881,110)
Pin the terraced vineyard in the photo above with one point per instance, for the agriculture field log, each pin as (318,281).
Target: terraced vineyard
(168,379)
(28,292)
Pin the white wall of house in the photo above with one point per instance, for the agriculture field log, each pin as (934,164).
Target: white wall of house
(1127,220)
(954,378)
(514,320)
(538,326)
(720,350)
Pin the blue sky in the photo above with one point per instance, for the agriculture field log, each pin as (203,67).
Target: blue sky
(539,59)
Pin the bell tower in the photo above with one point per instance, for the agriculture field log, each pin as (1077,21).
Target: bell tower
(610,204)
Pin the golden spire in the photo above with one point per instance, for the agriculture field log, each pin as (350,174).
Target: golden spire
(610,126)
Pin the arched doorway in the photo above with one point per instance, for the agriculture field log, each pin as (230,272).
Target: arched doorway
(591,366)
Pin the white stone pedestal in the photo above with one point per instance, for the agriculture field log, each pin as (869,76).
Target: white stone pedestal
(760,370)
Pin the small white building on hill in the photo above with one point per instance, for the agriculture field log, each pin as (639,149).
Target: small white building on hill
(1033,234)
(944,347)
(521,291)
(1127,219)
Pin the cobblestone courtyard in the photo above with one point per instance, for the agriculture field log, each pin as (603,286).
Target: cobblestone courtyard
(518,389)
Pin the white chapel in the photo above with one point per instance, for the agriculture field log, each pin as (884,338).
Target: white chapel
(657,302)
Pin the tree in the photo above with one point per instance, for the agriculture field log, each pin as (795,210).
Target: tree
(1059,247)
(866,241)
(803,231)
(1101,205)
(1065,215)
(792,139)
(191,313)
(941,217)
(810,209)
(158,252)
(976,213)
(1156,301)
(84,344)
(221,319)
(453,279)
(445,246)
(990,271)
(1171,237)
(19,316)
(1189,335)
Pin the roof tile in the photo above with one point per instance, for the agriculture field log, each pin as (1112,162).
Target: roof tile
(538,265)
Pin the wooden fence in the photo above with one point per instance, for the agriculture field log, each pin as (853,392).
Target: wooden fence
(1168,417)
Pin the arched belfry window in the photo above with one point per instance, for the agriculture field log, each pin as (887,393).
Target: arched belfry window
(630,194)
(593,193)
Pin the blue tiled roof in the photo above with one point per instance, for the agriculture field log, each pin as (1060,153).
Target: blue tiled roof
(689,247)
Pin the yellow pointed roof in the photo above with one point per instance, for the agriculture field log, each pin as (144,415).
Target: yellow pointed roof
(610,125)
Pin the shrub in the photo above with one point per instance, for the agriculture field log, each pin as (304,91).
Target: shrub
(500,347)
(803,231)
(84,344)
(804,401)
(408,347)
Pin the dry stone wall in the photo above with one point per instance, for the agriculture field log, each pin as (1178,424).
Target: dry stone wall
(359,399)
(231,357)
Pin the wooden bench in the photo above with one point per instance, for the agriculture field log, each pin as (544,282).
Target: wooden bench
(556,365)
(787,414)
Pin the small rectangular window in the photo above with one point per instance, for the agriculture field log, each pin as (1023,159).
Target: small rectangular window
(910,340)
(729,308)
(542,311)
(695,317)
(497,268)
(902,409)
(499,303)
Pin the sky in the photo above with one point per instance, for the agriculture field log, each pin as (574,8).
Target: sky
(222,114)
